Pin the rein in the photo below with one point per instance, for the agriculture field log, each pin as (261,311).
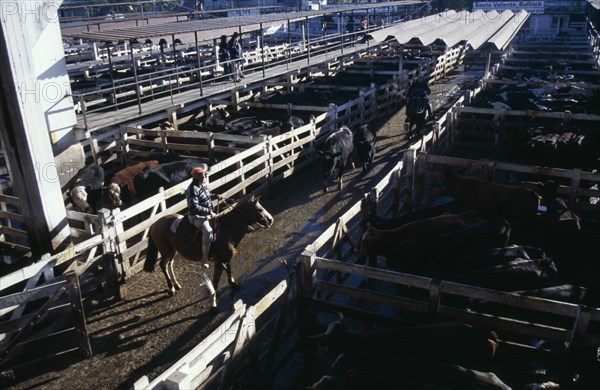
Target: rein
(230,207)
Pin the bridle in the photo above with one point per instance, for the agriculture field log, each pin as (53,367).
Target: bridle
(237,209)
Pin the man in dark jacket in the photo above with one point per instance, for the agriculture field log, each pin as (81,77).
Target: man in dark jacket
(419,89)
(200,208)
(224,56)
(237,56)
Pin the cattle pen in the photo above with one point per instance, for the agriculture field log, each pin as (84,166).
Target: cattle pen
(330,277)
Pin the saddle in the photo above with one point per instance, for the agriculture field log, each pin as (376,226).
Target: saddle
(184,228)
(417,104)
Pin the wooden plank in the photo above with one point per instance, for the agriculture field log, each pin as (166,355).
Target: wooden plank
(528,114)
(54,294)
(43,291)
(9,199)
(200,355)
(374,273)
(16,233)
(511,299)
(413,305)
(74,293)
(500,323)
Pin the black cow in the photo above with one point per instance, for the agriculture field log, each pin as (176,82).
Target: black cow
(383,223)
(450,342)
(364,144)
(351,372)
(293,122)
(514,275)
(161,157)
(166,175)
(215,120)
(85,190)
(335,153)
(571,240)
(565,293)
(440,251)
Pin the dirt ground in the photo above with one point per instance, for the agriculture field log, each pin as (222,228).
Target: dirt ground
(149,331)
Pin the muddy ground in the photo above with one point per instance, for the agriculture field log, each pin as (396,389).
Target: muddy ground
(149,331)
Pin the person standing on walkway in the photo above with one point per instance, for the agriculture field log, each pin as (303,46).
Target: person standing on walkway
(364,25)
(224,57)
(350,28)
(237,56)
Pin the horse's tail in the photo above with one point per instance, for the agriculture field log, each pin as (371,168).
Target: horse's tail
(151,255)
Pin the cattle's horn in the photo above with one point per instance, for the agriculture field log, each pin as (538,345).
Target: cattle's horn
(340,315)
(334,324)
(330,328)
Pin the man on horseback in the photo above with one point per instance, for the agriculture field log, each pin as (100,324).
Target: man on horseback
(200,208)
(418,90)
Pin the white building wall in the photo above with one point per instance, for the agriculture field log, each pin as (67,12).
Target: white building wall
(39,114)
(33,34)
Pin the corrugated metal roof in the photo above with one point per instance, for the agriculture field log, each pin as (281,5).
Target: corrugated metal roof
(478,28)
(206,27)
(504,35)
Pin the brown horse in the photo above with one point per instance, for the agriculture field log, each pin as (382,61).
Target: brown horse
(232,228)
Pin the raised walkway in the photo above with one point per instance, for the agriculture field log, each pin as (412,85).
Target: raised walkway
(100,120)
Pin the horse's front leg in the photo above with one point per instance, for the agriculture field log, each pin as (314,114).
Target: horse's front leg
(165,266)
(171,271)
(218,272)
(210,288)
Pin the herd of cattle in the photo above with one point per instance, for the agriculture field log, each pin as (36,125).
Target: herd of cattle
(493,235)
(416,357)
(142,179)
(137,181)
(490,235)
(541,97)
(566,148)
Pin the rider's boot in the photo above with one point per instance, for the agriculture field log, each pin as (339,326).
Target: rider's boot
(204,261)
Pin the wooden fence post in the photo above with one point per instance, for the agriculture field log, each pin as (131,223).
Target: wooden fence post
(116,225)
(305,282)
(373,203)
(172,115)
(268,151)
(395,180)
(210,146)
(435,142)
(110,245)
(74,292)
(574,188)
(421,173)
(409,162)
(580,328)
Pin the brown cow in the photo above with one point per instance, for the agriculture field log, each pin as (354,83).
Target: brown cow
(386,242)
(121,185)
(517,204)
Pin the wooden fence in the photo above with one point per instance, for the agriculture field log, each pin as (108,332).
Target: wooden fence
(112,240)
(330,276)
(249,343)
(46,320)
(333,278)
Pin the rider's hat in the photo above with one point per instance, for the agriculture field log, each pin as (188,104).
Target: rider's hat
(198,171)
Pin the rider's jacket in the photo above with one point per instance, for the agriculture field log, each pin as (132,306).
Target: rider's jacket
(418,89)
(199,200)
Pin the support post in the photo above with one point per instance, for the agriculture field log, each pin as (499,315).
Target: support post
(137,85)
